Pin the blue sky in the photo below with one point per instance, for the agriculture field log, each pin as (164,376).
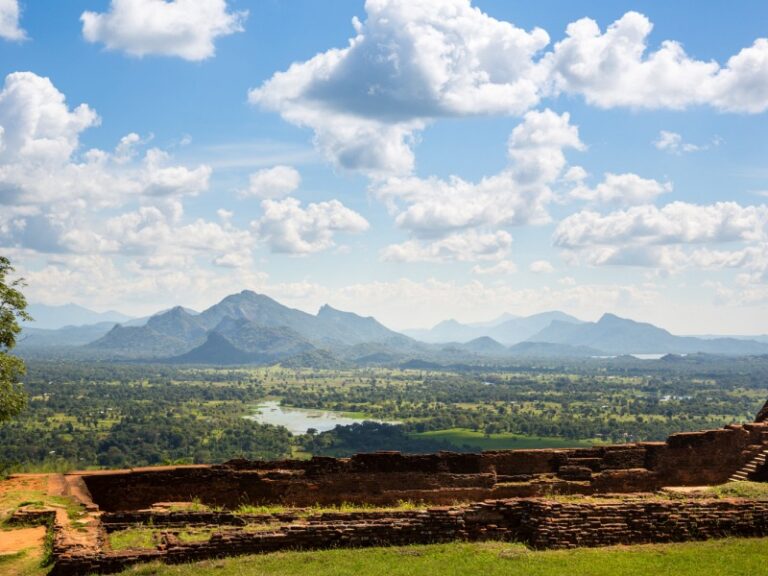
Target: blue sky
(456,159)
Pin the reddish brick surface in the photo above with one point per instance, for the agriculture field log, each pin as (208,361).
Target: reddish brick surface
(500,483)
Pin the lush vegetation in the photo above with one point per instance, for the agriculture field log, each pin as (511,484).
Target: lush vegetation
(114,415)
(12,309)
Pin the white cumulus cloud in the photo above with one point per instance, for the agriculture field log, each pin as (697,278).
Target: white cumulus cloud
(413,61)
(464,247)
(53,194)
(614,68)
(288,227)
(498,269)
(9,20)
(184,28)
(541,267)
(662,237)
(622,189)
(433,209)
(409,62)
(430,207)
(274,182)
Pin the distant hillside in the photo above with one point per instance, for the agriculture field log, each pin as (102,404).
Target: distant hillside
(54,317)
(551,350)
(68,336)
(507,330)
(249,328)
(614,335)
(483,346)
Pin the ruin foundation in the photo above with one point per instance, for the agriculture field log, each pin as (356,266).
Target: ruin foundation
(506,495)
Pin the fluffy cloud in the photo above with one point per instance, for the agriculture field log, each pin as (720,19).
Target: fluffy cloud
(466,246)
(100,281)
(541,267)
(409,62)
(444,211)
(274,182)
(675,223)
(742,86)
(39,161)
(613,68)
(498,269)
(288,228)
(622,189)
(54,195)
(9,20)
(183,28)
(37,125)
(659,237)
(433,207)
(412,61)
(143,231)
(51,192)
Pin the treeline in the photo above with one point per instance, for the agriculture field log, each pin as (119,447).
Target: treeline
(604,407)
(89,423)
(120,415)
(368,437)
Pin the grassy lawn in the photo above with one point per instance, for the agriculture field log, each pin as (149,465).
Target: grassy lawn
(505,441)
(743,489)
(734,557)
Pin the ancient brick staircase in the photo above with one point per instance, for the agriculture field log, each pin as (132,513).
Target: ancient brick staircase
(752,466)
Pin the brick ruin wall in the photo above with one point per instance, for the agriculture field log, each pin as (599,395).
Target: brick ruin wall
(504,486)
(542,524)
(384,478)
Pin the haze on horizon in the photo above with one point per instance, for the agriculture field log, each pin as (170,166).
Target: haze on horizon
(412,160)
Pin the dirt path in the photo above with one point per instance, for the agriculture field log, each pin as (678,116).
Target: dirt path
(23,482)
(17,540)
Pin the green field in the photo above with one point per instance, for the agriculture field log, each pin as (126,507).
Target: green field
(505,441)
(732,557)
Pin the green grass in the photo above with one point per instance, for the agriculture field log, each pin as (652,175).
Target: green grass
(344,507)
(732,557)
(751,490)
(132,538)
(144,537)
(504,441)
(26,563)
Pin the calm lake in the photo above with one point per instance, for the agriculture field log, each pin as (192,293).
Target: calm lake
(299,420)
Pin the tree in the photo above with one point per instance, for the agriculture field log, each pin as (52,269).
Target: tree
(12,309)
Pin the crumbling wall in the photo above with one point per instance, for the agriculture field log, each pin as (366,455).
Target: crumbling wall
(539,523)
(691,458)
(708,457)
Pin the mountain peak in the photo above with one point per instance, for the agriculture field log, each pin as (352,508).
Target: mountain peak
(608,318)
(328,311)
(450,323)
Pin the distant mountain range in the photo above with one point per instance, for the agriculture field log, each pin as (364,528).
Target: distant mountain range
(53,317)
(251,328)
(507,330)
(246,328)
(614,335)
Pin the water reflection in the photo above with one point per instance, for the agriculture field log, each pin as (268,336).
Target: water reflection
(299,420)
